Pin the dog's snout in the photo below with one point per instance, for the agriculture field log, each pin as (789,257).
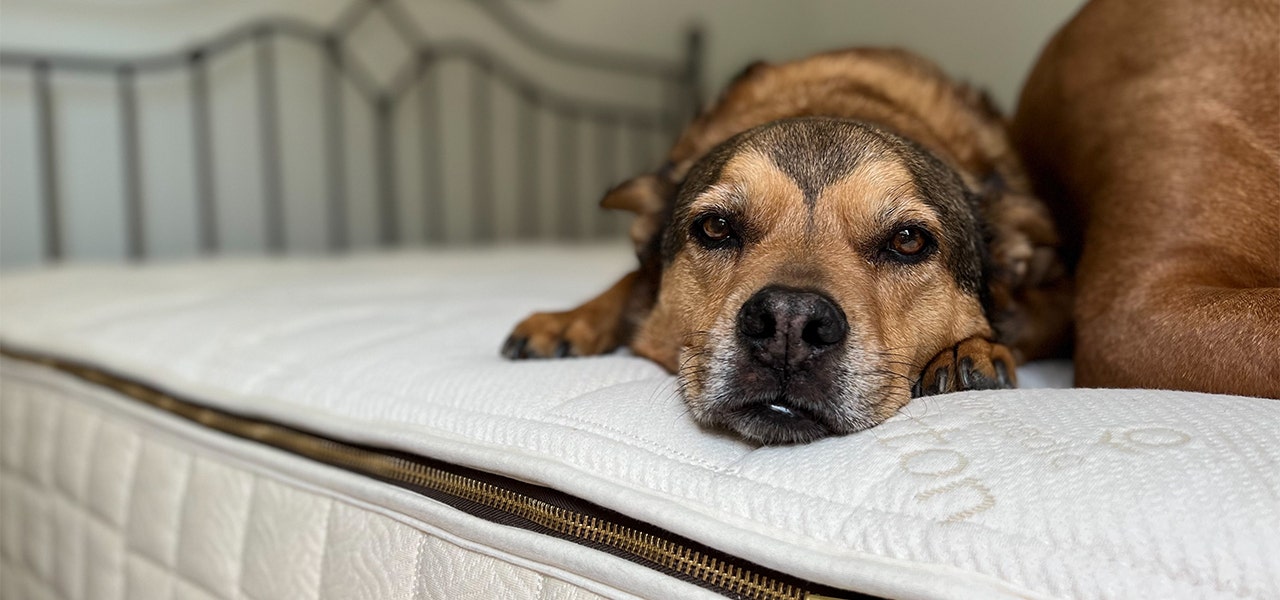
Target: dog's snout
(787,326)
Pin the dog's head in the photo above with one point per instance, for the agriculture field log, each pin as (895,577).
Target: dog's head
(811,268)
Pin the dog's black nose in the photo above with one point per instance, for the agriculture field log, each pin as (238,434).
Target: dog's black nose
(785,326)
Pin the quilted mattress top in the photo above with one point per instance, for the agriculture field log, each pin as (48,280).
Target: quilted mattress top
(1022,493)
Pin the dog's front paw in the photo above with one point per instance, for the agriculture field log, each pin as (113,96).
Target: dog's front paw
(596,327)
(974,364)
(576,332)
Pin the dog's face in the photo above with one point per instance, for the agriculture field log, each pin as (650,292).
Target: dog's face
(811,268)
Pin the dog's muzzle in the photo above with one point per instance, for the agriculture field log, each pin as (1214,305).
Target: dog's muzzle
(785,380)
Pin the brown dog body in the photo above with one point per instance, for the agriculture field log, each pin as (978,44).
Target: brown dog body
(832,231)
(1155,131)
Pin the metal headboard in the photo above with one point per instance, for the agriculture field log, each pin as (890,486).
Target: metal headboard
(343,68)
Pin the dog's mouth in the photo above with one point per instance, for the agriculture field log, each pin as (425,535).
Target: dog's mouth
(769,407)
(777,421)
(784,408)
(727,388)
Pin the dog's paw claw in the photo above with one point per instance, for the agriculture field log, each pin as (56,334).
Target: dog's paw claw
(514,347)
(559,335)
(1004,375)
(973,364)
(941,379)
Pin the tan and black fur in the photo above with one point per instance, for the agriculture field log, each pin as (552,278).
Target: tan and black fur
(806,318)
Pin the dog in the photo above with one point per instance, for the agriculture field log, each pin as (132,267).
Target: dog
(1152,130)
(832,237)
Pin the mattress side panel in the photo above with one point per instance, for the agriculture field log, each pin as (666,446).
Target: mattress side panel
(97,504)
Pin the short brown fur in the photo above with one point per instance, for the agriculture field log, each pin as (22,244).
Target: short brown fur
(1155,130)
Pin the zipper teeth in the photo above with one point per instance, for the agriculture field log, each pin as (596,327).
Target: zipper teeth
(673,556)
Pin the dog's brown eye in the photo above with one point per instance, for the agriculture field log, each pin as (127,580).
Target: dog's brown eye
(713,231)
(715,228)
(908,242)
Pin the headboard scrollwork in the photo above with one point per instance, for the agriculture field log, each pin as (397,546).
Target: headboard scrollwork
(384,101)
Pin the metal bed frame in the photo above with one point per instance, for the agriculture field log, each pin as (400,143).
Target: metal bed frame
(681,77)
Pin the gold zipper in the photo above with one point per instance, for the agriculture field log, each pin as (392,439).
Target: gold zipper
(588,528)
(715,573)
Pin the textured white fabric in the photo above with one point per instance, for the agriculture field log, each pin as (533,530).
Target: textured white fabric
(1024,493)
(102,499)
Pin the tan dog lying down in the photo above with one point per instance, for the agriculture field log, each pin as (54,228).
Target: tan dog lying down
(834,236)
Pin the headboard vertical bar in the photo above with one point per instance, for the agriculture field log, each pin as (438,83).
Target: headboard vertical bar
(335,143)
(672,127)
(529,189)
(643,158)
(385,157)
(202,137)
(483,210)
(606,167)
(268,125)
(433,209)
(53,250)
(567,148)
(130,160)
(694,40)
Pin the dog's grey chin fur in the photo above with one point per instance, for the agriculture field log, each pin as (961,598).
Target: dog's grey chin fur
(721,402)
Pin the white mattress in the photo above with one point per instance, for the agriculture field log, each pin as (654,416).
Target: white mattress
(101,499)
(1025,493)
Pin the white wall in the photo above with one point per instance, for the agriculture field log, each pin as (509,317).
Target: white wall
(989,42)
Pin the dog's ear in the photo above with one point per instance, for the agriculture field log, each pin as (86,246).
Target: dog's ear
(649,196)
(752,69)
(642,195)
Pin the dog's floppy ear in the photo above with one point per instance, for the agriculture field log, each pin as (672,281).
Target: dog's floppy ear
(641,195)
(649,196)
(752,69)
